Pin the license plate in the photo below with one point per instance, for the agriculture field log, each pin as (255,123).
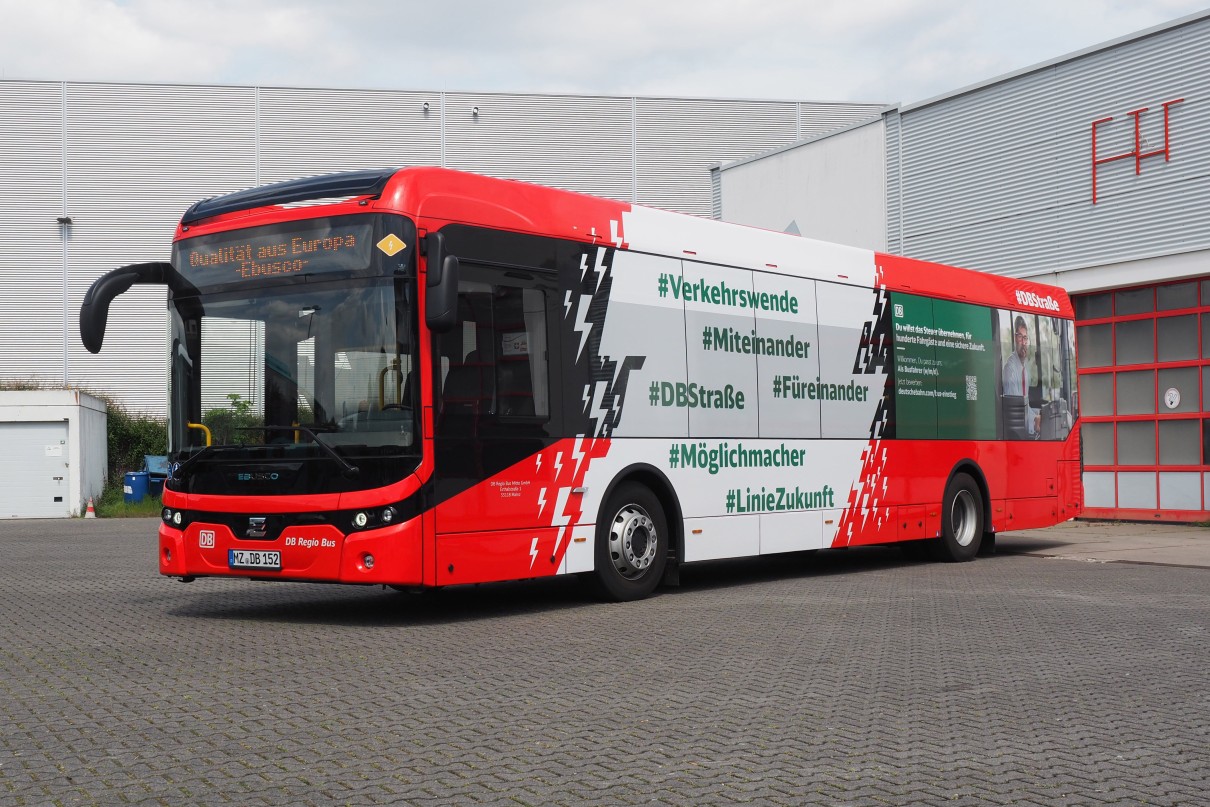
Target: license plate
(253,559)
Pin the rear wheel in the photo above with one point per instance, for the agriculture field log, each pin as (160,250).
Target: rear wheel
(961,521)
(632,544)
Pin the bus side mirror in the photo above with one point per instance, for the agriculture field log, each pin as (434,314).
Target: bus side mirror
(94,311)
(441,303)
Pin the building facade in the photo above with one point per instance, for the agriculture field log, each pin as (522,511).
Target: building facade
(1090,171)
(95,176)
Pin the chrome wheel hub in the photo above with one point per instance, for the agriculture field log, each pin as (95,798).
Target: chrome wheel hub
(633,541)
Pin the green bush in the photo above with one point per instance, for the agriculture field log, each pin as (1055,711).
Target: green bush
(131,436)
(225,424)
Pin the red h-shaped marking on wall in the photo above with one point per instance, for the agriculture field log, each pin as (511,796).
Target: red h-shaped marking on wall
(1138,153)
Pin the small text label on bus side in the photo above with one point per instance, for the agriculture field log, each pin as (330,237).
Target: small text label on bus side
(694,396)
(1031,300)
(723,455)
(779,499)
(703,291)
(310,543)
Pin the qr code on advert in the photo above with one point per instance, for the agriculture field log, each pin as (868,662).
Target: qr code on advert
(972,388)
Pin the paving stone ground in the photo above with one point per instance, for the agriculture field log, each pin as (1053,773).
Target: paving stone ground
(841,678)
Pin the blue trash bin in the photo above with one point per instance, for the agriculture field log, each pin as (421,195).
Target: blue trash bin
(134,487)
(156,466)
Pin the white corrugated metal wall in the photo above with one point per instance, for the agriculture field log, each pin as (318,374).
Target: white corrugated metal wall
(1000,178)
(31,246)
(125,160)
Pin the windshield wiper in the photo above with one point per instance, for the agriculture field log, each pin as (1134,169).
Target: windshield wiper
(348,469)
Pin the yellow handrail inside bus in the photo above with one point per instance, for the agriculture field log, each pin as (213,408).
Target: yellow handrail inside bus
(382,384)
(204,429)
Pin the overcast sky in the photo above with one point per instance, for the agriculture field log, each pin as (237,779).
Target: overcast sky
(846,50)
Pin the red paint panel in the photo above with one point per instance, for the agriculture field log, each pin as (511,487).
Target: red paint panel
(438,196)
(172,552)
(912,522)
(536,492)
(483,557)
(398,554)
(313,552)
(261,505)
(962,285)
(1029,514)
(903,481)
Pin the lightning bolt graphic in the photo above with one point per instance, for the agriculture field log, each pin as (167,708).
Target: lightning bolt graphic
(538,467)
(600,275)
(533,552)
(582,326)
(541,501)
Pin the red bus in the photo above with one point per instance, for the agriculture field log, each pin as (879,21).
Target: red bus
(421,377)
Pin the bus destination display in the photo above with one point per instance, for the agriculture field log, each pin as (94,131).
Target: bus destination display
(272,252)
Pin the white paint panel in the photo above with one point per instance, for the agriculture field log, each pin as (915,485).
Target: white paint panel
(843,310)
(792,532)
(642,323)
(580,553)
(664,233)
(783,415)
(726,537)
(726,390)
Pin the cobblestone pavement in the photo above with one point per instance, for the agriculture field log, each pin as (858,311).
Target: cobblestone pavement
(842,678)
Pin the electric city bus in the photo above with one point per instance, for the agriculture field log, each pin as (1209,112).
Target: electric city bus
(420,377)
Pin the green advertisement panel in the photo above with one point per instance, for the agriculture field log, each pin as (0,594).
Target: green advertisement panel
(967,351)
(945,369)
(916,371)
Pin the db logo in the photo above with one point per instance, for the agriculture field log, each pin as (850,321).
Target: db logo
(205,539)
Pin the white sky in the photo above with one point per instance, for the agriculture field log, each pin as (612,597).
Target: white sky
(846,50)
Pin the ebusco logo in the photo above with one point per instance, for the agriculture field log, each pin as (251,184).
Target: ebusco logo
(1031,300)
(260,476)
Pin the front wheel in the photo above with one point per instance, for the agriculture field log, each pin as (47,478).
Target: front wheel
(632,544)
(961,521)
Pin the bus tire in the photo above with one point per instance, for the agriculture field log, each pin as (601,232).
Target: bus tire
(961,521)
(631,545)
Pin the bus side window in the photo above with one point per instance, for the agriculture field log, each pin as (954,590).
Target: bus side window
(522,378)
(495,362)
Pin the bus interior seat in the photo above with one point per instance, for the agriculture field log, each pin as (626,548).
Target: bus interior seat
(1013,409)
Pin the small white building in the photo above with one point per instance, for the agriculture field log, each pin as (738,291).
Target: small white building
(53,454)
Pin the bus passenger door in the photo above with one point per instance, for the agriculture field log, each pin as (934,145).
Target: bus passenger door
(496,410)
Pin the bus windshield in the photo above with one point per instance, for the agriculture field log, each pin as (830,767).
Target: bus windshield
(313,383)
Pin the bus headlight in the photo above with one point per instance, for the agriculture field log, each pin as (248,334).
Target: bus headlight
(388,515)
(361,519)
